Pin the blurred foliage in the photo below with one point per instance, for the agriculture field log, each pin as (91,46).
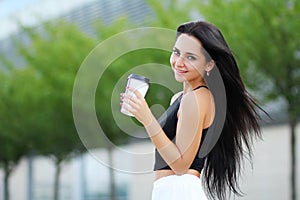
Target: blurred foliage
(55,53)
(37,106)
(19,114)
(265,36)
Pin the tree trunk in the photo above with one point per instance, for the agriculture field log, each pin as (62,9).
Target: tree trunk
(30,177)
(293,159)
(7,171)
(56,180)
(111,175)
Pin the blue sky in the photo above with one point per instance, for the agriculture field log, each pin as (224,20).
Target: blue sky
(9,7)
(30,12)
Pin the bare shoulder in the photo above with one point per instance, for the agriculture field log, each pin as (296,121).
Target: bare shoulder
(199,94)
(201,97)
(200,104)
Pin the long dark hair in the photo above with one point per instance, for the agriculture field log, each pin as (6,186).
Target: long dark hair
(224,161)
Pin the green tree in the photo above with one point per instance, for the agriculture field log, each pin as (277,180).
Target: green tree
(9,156)
(265,36)
(55,53)
(16,140)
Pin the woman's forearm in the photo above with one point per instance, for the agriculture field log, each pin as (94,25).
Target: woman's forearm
(167,149)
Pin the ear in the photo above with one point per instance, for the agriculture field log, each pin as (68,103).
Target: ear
(210,65)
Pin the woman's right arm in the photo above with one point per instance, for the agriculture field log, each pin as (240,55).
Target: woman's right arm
(178,155)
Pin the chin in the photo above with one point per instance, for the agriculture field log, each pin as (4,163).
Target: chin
(179,78)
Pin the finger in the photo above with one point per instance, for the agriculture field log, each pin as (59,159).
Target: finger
(129,98)
(122,96)
(128,107)
(136,92)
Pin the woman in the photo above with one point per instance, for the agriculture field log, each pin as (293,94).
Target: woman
(177,136)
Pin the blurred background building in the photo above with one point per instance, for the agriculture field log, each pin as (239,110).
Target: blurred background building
(82,12)
(85,177)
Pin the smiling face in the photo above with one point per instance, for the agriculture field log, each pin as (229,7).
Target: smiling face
(187,60)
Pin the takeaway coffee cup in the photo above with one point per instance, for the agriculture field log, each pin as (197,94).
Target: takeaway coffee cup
(136,82)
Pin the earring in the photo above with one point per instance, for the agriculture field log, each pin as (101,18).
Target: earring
(207,73)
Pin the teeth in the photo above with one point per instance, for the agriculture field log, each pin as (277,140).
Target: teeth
(180,71)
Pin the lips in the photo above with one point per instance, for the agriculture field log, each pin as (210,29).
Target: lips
(178,71)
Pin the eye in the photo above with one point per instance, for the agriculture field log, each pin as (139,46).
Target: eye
(176,52)
(191,58)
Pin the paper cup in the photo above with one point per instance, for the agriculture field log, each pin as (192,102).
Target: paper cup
(136,82)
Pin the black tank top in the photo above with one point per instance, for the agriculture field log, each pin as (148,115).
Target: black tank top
(168,122)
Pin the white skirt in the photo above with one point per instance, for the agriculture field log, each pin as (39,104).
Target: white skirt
(178,187)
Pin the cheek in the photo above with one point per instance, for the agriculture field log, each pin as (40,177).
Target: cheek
(172,60)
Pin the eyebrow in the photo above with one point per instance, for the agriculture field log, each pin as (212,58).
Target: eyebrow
(189,53)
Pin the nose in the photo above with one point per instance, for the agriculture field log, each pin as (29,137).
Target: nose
(179,61)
